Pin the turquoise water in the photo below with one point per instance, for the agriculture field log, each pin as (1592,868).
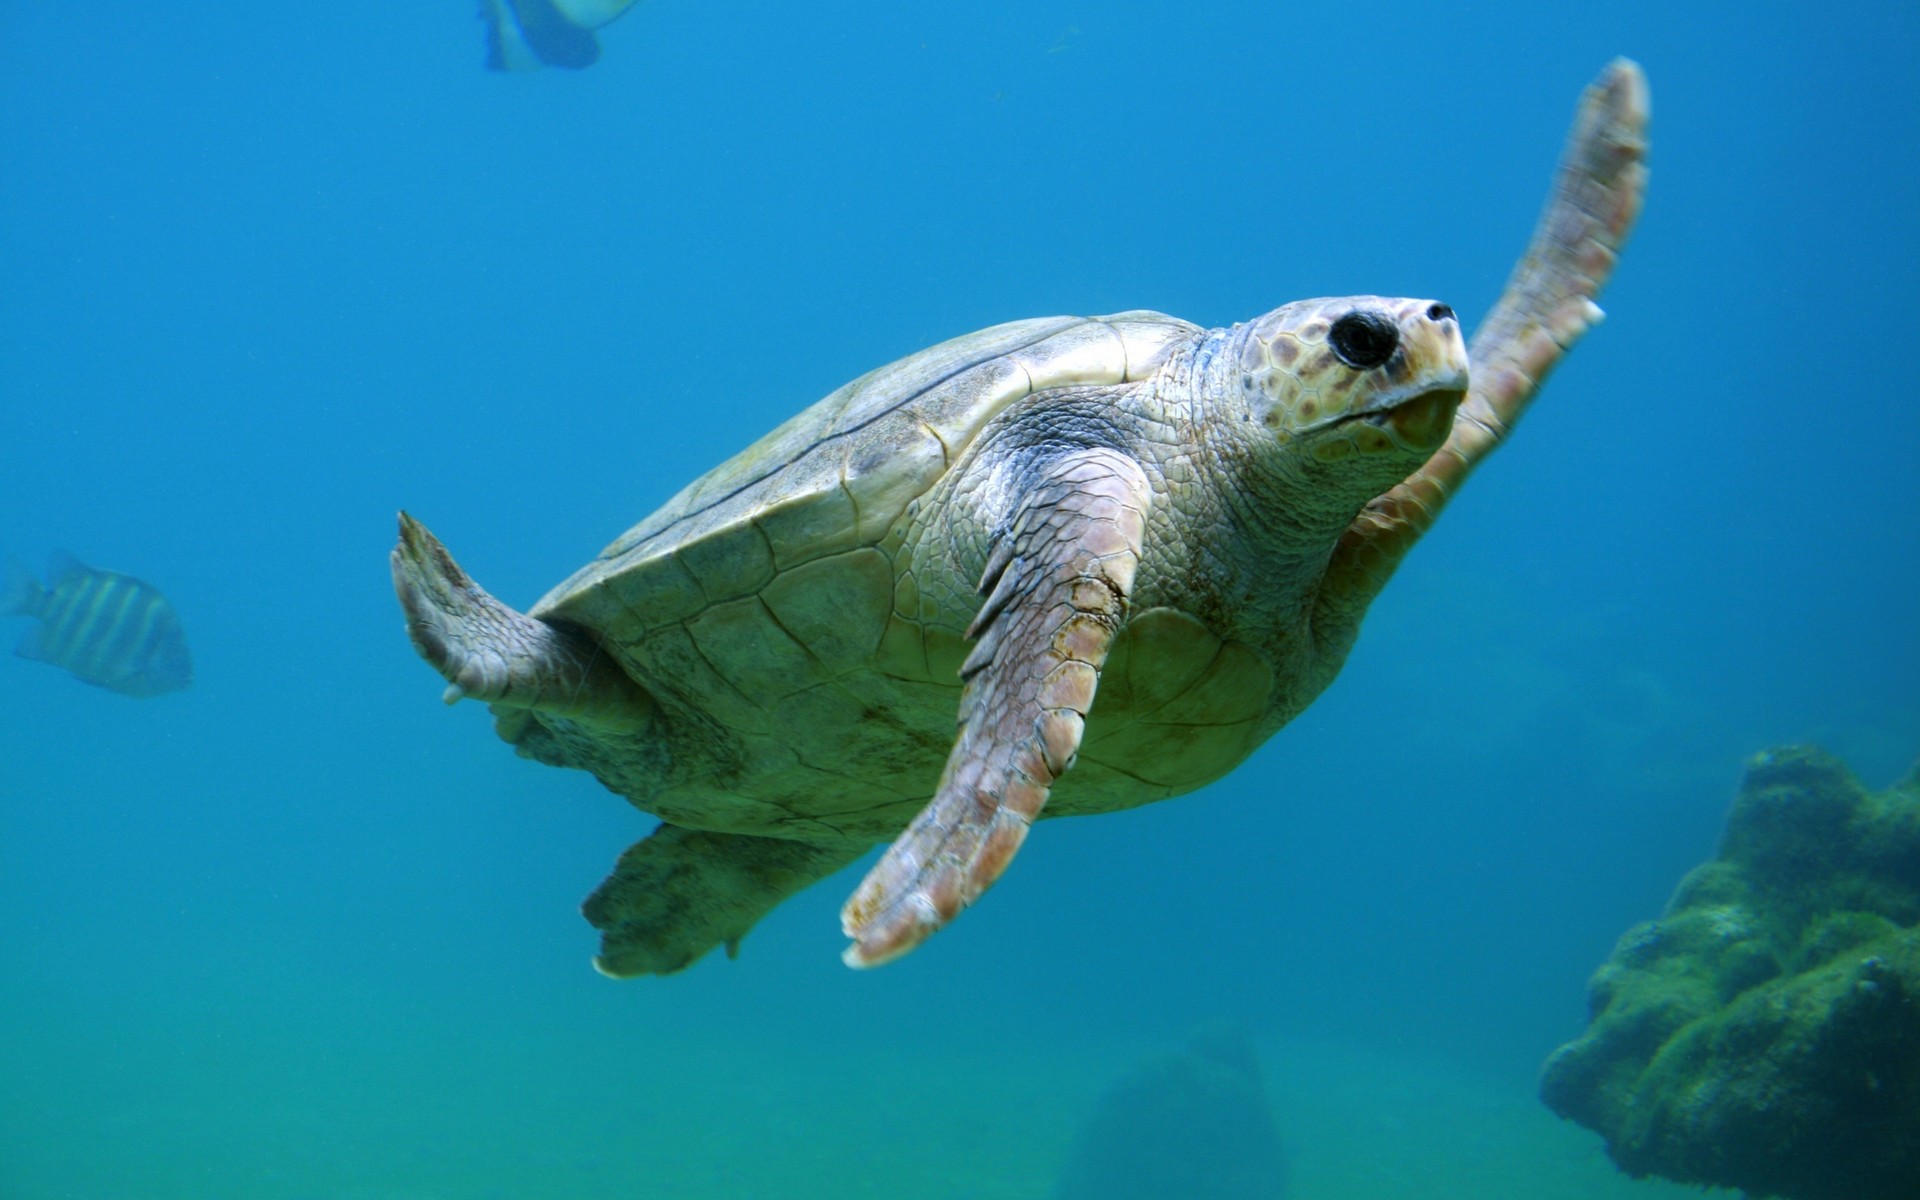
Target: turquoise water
(269,276)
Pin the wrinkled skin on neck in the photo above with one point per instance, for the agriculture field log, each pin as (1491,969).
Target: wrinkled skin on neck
(1259,445)
(1273,444)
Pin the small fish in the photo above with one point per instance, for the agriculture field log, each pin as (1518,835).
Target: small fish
(108,629)
(525,35)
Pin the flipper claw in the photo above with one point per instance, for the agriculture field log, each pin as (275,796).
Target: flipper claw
(1056,595)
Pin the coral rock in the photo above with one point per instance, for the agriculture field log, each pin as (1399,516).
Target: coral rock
(1764,1033)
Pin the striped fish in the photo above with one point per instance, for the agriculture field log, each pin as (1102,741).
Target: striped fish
(111,630)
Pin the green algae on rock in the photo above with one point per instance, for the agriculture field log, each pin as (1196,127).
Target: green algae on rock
(1764,1033)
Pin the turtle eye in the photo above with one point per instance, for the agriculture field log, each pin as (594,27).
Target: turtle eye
(1363,340)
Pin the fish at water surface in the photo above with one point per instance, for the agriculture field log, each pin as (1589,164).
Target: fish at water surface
(525,35)
(105,628)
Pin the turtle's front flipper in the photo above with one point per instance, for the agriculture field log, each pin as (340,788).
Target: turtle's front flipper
(1548,303)
(1547,306)
(489,652)
(680,892)
(1056,593)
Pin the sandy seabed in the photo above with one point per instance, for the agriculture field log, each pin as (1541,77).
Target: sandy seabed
(537,1113)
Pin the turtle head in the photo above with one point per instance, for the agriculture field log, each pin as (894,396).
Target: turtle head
(1355,378)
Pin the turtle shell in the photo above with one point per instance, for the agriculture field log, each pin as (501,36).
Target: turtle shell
(810,694)
(839,474)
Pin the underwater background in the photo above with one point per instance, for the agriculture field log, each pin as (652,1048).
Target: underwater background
(270,273)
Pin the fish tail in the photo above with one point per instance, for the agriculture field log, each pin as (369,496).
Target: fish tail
(524,35)
(22,595)
(506,49)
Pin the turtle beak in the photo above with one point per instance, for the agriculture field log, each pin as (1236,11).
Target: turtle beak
(1418,413)
(1421,422)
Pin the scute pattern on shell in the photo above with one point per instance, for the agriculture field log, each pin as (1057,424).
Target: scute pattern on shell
(840,473)
(794,660)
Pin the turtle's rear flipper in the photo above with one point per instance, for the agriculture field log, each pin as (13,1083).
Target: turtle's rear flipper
(680,892)
(489,652)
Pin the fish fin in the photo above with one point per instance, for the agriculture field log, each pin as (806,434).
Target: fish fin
(22,595)
(552,36)
(137,685)
(507,48)
(593,14)
(32,645)
(60,564)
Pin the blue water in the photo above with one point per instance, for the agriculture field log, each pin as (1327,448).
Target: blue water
(267,276)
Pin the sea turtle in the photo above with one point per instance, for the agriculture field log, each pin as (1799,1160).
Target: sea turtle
(1190,521)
